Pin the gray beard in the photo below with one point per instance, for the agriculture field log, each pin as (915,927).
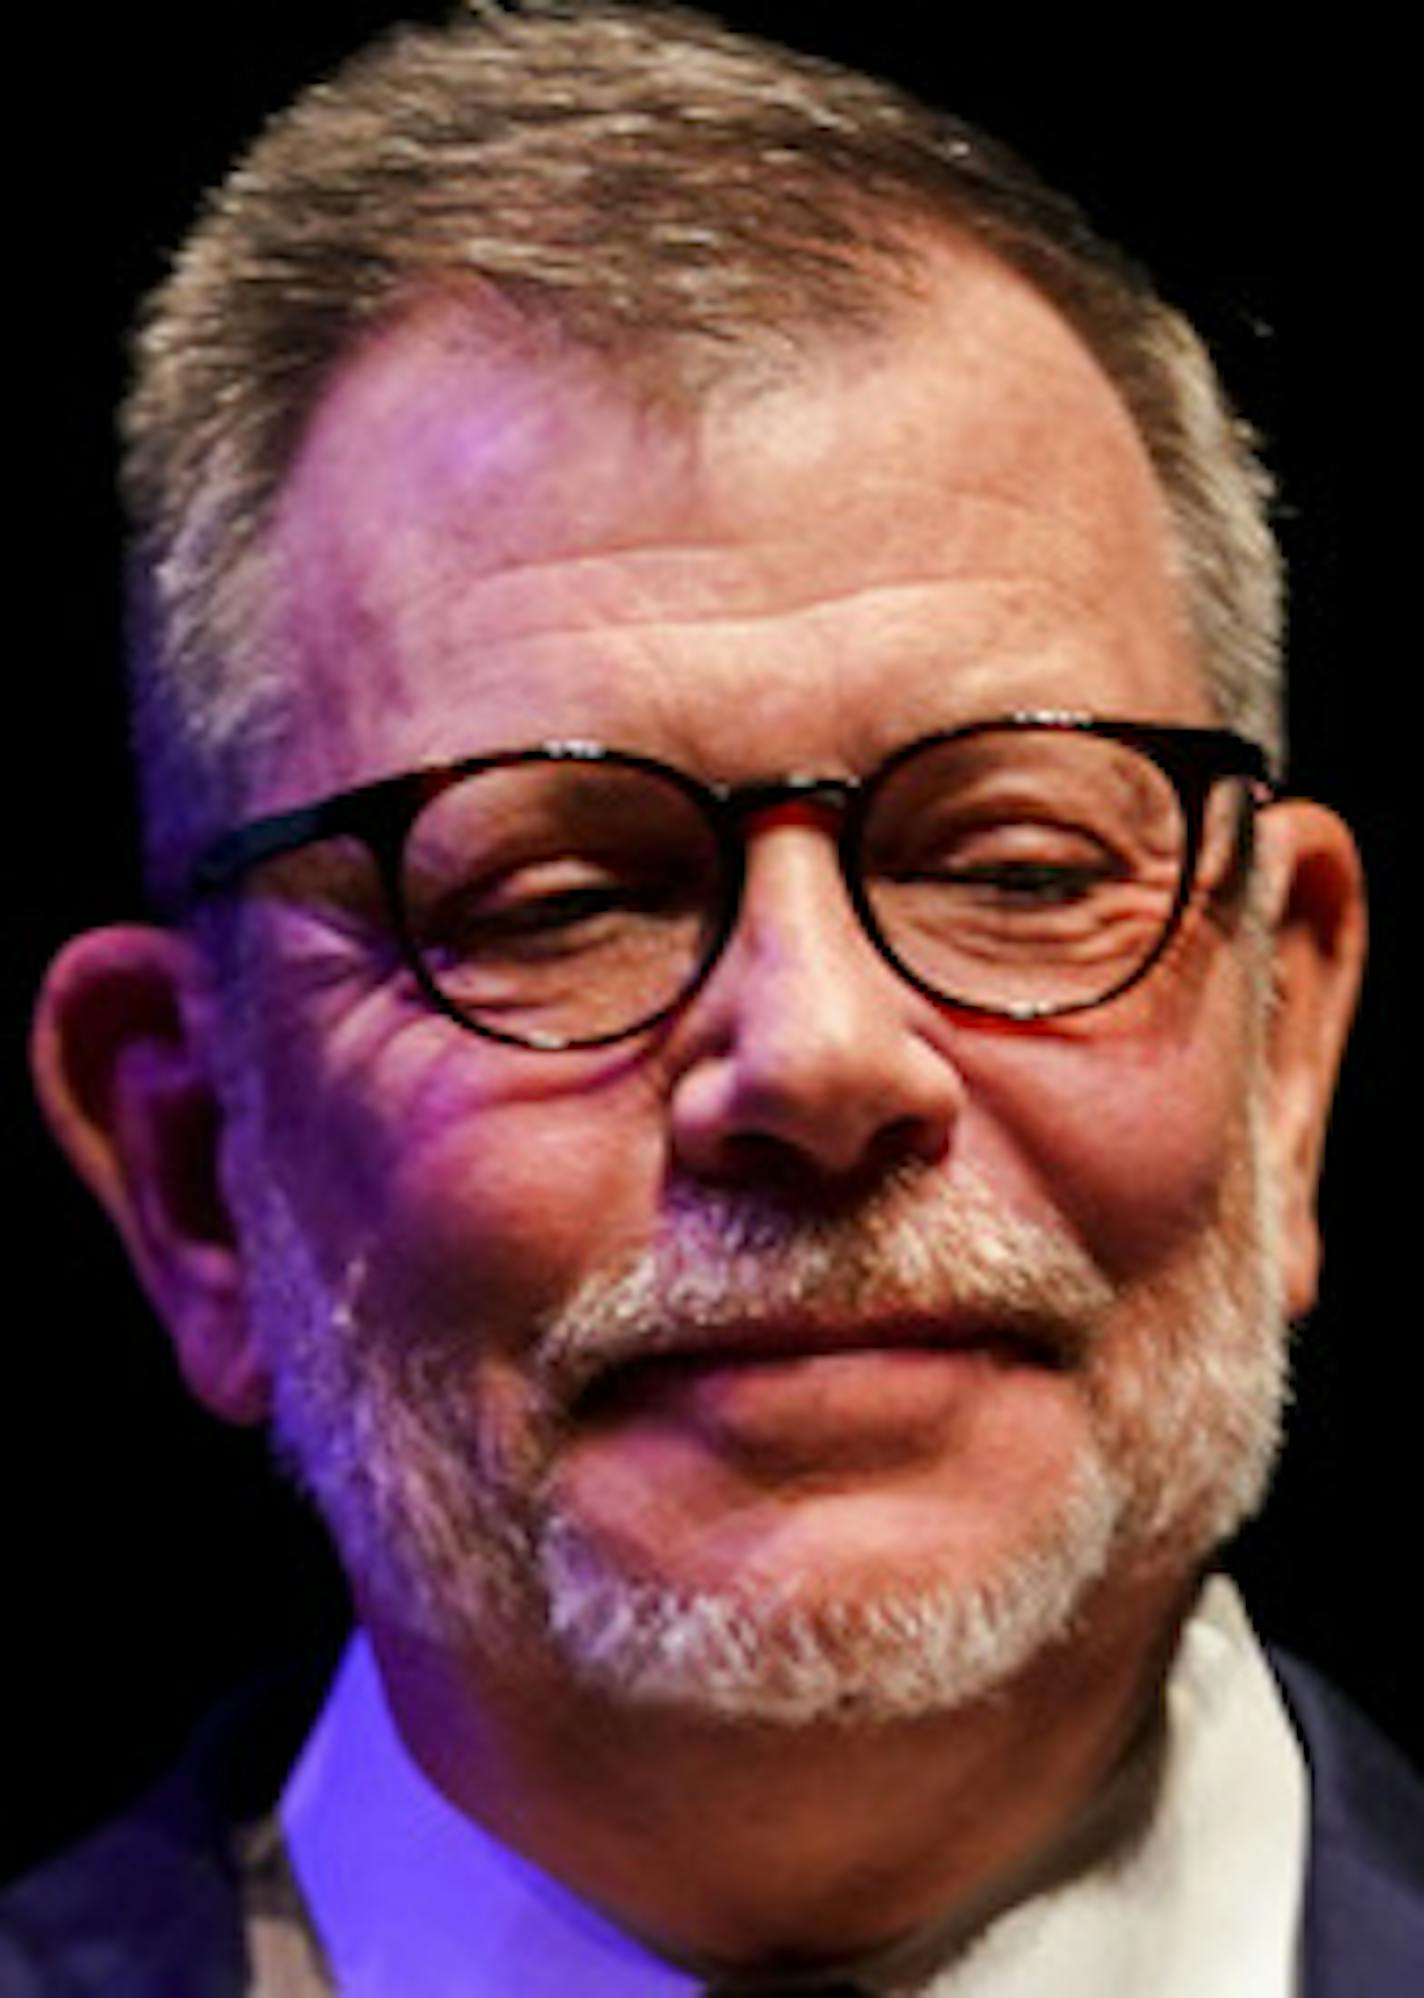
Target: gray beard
(451,1526)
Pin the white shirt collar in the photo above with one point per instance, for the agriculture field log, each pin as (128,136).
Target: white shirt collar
(1204,1894)
(413,1900)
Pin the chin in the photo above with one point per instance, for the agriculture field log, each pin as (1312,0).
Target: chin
(819,1633)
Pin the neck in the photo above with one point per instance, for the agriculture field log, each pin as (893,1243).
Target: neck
(754,1845)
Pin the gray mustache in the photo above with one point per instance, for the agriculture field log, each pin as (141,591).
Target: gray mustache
(924,1257)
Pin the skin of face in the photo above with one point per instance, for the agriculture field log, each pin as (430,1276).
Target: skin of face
(484,546)
(805,580)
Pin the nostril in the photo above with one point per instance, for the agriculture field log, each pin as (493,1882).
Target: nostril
(925,1140)
(790,1178)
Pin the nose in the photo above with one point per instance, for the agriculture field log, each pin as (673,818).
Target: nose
(805,1053)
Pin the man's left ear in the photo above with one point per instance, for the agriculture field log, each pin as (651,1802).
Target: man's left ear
(1313,904)
(121,1055)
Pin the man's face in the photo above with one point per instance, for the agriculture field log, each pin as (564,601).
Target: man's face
(973,1324)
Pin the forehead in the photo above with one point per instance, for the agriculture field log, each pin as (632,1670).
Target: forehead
(484,544)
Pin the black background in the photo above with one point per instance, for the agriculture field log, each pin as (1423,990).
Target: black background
(149,1558)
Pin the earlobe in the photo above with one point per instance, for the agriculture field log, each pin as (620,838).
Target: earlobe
(1314,909)
(123,1071)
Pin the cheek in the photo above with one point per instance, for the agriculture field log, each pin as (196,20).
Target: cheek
(1132,1137)
(504,1219)
(476,1187)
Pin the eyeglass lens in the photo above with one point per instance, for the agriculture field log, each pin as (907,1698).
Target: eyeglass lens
(563,901)
(1009,871)
(1023,872)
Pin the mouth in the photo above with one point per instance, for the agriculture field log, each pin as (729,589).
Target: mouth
(850,1362)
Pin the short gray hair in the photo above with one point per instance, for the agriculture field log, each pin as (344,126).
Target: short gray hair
(654,185)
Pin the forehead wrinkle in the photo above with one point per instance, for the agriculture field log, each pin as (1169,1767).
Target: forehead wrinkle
(341,604)
(687,497)
(653,682)
(631,582)
(942,653)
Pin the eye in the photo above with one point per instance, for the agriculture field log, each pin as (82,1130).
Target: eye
(1033,865)
(549,908)
(1030,862)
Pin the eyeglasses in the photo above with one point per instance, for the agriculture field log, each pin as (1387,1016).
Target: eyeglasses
(571,895)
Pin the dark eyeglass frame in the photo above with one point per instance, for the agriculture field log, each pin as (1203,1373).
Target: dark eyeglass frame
(381,814)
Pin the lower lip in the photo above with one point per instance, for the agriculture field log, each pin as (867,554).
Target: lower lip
(818,1410)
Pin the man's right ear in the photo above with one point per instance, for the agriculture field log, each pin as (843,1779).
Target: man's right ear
(122,1066)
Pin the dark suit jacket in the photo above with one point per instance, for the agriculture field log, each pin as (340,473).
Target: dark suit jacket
(148,1907)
